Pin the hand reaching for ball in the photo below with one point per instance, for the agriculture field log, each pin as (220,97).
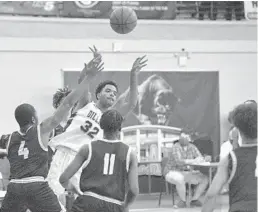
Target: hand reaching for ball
(93,67)
(139,63)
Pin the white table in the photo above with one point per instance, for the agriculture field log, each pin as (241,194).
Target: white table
(209,165)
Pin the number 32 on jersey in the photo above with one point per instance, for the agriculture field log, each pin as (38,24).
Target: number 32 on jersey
(91,131)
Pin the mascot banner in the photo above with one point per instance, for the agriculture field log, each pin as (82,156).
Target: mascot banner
(89,9)
(185,100)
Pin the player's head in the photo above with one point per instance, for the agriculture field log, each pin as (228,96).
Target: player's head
(184,138)
(245,120)
(59,96)
(25,114)
(250,101)
(106,93)
(111,122)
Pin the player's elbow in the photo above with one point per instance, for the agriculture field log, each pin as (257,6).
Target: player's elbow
(63,180)
(134,190)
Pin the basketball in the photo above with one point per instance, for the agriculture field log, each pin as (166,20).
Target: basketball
(123,20)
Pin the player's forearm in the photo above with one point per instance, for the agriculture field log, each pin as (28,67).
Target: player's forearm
(130,197)
(133,92)
(209,204)
(76,94)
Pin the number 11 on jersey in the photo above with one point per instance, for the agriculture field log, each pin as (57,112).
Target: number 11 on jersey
(109,162)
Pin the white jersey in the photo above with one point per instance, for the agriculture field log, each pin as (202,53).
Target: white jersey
(82,127)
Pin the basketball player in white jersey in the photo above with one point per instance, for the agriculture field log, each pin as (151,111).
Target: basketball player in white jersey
(83,126)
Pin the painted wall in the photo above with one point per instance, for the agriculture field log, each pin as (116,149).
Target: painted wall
(30,67)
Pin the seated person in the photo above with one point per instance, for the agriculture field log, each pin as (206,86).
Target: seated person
(177,172)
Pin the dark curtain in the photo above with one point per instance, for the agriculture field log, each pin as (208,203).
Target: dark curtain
(198,91)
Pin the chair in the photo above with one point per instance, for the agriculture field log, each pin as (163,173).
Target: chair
(163,180)
(189,187)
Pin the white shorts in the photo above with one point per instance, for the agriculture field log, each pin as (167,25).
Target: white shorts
(62,158)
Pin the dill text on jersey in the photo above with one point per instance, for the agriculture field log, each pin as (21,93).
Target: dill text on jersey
(94,116)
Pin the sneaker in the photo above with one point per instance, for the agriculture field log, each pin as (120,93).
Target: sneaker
(196,203)
(181,204)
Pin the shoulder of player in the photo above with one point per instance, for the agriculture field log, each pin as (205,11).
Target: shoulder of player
(89,105)
(192,146)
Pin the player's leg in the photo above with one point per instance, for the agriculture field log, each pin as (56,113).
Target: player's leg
(15,199)
(56,170)
(61,160)
(42,198)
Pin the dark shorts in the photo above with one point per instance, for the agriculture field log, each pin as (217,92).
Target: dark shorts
(92,204)
(37,196)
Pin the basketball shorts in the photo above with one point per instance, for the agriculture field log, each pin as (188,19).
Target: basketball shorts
(61,159)
(36,196)
(85,203)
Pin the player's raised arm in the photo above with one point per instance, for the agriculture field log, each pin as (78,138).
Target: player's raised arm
(86,97)
(50,123)
(219,180)
(124,107)
(132,180)
(74,166)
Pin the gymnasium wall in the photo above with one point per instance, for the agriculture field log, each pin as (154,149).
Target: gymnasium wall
(30,67)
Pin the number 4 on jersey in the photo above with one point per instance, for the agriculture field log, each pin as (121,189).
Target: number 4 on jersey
(23,151)
(109,162)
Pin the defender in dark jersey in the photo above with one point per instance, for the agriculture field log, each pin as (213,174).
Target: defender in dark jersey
(27,151)
(239,168)
(109,166)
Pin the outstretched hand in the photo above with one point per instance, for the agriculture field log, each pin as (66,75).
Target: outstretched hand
(139,63)
(93,67)
(96,57)
(95,70)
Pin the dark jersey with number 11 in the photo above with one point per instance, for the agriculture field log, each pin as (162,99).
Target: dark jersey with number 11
(105,172)
(27,155)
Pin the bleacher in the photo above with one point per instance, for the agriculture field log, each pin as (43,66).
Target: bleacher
(178,10)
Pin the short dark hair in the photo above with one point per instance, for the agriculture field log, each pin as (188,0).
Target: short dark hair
(102,85)
(244,117)
(24,113)
(111,121)
(60,94)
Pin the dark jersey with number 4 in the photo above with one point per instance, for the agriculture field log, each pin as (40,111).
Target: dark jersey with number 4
(27,155)
(106,171)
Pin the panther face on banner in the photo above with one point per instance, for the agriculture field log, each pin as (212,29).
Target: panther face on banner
(86,4)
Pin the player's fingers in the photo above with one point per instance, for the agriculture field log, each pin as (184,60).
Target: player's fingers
(91,49)
(141,66)
(96,59)
(100,65)
(143,62)
(96,50)
(101,69)
(136,62)
(142,57)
